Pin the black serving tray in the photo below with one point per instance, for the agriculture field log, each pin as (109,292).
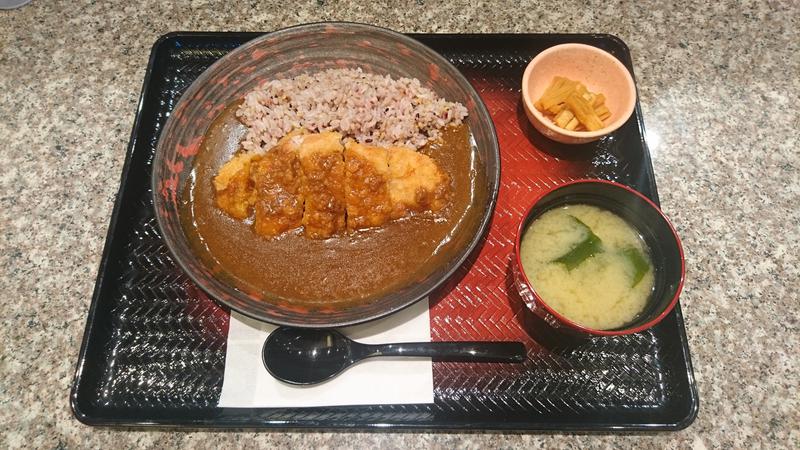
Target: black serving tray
(153,352)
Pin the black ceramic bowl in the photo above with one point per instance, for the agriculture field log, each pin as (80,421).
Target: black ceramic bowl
(286,53)
(658,233)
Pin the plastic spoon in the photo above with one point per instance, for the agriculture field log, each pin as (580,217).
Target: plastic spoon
(309,356)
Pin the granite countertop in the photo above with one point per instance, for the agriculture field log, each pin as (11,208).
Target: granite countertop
(718,84)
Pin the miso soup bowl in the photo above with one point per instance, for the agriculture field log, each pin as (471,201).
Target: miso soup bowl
(658,233)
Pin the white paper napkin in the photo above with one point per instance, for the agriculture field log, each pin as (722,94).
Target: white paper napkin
(371,382)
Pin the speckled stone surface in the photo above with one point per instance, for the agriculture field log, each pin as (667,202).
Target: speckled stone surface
(718,84)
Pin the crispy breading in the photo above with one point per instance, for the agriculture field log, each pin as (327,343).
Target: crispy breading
(367,186)
(277,180)
(311,180)
(416,183)
(323,181)
(235,193)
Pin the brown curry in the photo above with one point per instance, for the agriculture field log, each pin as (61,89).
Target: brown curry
(341,270)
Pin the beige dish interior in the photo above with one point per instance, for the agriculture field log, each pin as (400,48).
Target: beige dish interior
(599,71)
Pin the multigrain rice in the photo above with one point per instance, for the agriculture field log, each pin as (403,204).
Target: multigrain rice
(371,108)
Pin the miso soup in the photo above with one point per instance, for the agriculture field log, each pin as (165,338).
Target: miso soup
(589,265)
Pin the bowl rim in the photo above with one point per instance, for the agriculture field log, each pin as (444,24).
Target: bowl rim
(482,229)
(529,102)
(574,325)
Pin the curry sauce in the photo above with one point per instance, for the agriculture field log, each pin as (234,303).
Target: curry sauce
(341,270)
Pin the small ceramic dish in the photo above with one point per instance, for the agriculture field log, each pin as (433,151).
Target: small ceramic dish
(599,70)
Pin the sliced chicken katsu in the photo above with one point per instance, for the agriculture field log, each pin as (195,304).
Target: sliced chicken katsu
(323,181)
(416,183)
(277,180)
(367,186)
(235,193)
(311,180)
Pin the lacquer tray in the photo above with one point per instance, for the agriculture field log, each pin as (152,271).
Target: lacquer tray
(154,348)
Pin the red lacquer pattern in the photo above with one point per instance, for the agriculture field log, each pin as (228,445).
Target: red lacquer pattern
(481,303)
(194,145)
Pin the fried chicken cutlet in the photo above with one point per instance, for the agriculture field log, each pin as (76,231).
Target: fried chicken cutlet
(416,183)
(323,182)
(311,180)
(235,192)
(367,186)
(277,180)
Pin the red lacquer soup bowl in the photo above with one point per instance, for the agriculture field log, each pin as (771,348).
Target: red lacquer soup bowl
(653,226)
